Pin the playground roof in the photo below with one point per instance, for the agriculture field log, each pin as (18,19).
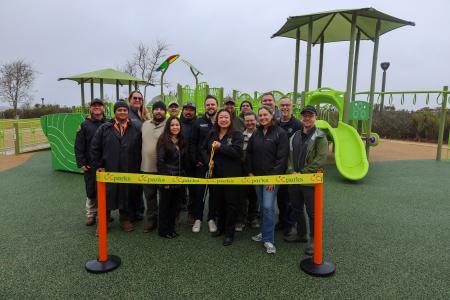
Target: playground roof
(335,25)
(109,76)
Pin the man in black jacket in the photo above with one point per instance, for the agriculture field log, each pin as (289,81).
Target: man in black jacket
(290,124)
(199,133)
(188,118)
(82,145)
(116,147)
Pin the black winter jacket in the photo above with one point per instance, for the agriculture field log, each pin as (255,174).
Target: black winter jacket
(267,154)
(291,126)
(83,140)
(199,133)
(227,159)
(118,153)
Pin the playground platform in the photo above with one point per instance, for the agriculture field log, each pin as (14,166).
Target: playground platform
(388,235)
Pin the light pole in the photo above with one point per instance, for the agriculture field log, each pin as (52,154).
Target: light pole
(42,99)
(384,66)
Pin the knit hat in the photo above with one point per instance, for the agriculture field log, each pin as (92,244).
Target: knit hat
(159,104)
(120,103)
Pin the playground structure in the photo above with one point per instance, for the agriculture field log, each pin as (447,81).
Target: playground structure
(354,116)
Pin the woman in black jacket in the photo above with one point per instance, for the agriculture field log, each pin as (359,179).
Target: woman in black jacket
(171,157)
(267,154)
(227,144)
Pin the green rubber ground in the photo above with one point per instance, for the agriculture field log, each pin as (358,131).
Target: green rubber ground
(389,236)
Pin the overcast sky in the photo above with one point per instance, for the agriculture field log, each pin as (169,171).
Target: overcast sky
(229,41)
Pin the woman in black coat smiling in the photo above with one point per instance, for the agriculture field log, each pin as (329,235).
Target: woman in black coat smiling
(171,157)
(227,143)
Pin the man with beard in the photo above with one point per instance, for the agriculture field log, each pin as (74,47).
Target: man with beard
(188,118)
(199,134)
(151,130)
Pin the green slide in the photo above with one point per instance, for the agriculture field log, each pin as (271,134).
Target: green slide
(350,152)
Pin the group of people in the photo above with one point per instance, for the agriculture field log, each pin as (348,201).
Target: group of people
(269,141)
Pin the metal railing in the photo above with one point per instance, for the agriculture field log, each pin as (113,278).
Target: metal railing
(22,135)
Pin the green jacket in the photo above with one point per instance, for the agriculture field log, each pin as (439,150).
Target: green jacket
(316,153)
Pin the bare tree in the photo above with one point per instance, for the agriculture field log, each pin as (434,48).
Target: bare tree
(145,61)
(16,80)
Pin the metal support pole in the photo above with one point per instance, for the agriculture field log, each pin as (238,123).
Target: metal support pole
(372,84)
(355,64)
(297,58)
(83,104)
(101,90)
(308,55)
(162,84)
(130,87)
(319,80)
(117,90)
(92,90)
(442,123)
(351,51)
(383,88)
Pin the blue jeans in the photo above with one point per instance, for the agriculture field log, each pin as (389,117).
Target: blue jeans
(267,211)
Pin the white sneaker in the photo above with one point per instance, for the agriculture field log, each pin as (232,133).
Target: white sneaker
(212,226)
(257,238)
(197,226)
(270,248)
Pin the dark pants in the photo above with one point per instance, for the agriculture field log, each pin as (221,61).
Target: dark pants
(168,209)
(151,197)
(226,201)
(199,194)
(301,197)
(286,216)
(249,205)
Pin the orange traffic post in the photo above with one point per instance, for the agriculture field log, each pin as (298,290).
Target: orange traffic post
(104,263)
(316,266)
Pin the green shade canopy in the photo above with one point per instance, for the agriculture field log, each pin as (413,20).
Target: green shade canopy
(109,76)
(335,25)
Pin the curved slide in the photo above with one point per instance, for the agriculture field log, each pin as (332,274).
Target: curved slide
(350,153)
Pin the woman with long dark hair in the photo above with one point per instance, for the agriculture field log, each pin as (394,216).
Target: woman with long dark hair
(171,157)
(226,142)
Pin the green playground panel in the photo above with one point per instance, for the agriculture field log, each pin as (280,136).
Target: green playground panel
(359,111)
(61,130)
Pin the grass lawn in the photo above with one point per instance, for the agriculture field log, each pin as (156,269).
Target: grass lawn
(389,236)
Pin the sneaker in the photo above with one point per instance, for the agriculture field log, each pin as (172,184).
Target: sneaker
(255,223)
(239,227)
(197,225)
(257,238)
(270,248)
(212,226)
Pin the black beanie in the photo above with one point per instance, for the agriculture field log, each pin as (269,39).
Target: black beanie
(120,103)
(159,104)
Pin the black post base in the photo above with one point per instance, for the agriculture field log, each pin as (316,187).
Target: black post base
(324,270)
(95,266)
